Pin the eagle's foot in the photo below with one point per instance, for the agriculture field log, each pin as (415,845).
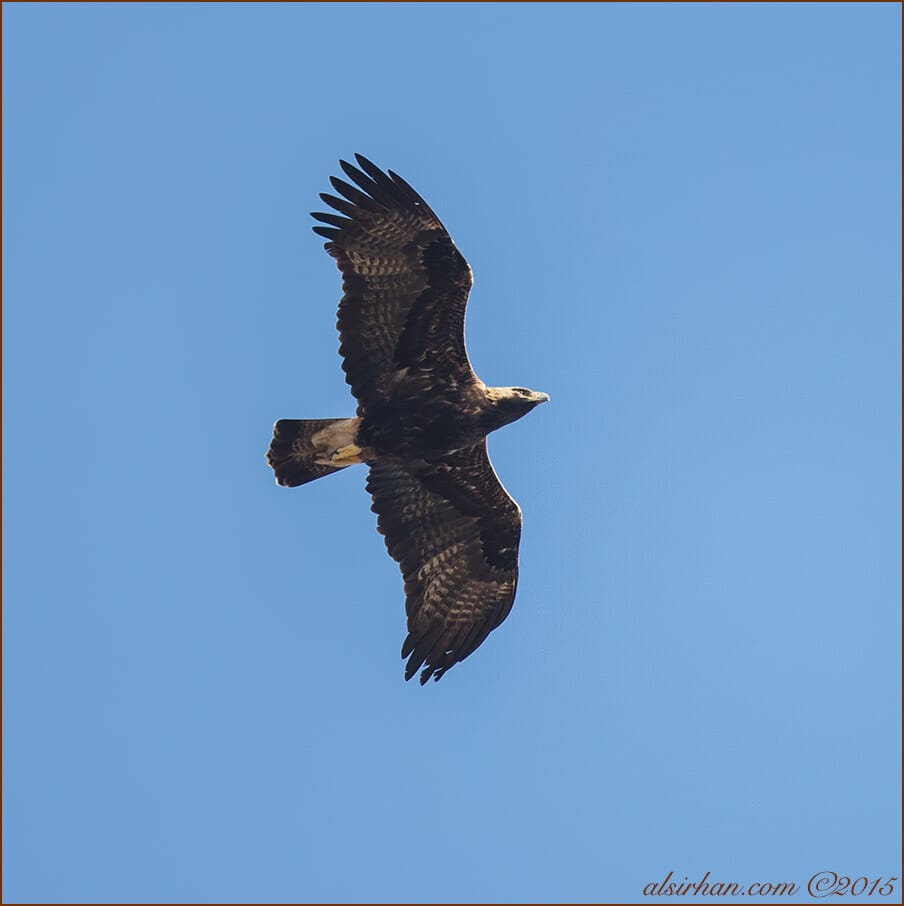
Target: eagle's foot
(346,456)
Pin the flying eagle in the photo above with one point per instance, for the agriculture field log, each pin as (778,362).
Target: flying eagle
(422,420)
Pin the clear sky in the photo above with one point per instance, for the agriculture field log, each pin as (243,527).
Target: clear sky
(685,226)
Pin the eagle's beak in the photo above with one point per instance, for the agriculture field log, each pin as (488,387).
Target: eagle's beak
(542,397)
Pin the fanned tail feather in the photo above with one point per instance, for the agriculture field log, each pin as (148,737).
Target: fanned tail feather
(301,448)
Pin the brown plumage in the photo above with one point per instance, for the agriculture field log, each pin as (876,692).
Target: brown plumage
(422,420)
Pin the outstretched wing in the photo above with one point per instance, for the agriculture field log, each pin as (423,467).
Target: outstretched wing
(454,531)
(405,284)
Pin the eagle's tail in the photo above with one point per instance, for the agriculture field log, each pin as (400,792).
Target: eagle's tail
(305,449)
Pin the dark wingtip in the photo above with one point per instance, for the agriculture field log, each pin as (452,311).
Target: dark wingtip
(330,233)
(331,219)
(340,205)
(349,169)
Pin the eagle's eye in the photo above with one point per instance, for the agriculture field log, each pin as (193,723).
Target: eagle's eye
(523,391)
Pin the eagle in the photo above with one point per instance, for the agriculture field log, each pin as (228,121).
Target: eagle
(422,419)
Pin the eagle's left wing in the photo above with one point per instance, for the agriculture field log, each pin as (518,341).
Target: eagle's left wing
(454,531)
(405,285)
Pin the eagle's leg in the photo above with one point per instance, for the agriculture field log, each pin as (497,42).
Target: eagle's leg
(347,455)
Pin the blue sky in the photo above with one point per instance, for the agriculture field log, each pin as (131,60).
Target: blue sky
(685,226)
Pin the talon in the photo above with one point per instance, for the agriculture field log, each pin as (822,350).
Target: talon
(347,455)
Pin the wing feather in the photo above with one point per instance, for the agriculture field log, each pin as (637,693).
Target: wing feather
(326,232)
(405,285)
(454,531)
(331,219)
(381,190)
(356,196)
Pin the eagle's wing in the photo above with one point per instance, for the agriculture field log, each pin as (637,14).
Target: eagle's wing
(405,284)
(454,531)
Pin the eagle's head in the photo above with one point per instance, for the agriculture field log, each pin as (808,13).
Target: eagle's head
(511,403)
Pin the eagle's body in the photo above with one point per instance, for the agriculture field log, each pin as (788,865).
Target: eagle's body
(422,421)
(403,427)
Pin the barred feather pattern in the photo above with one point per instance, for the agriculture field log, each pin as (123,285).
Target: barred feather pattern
(405,285)
(454,530)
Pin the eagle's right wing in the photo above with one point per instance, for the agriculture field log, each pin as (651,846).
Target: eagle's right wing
(405,284)
(454,531)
